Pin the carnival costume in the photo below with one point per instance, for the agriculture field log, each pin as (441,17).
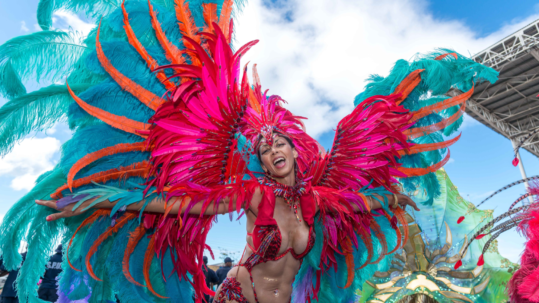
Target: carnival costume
(199,141)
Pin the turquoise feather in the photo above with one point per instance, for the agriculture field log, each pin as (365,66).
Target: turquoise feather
(11,85)
(19,217)
(44,55)
(41,240)
(34,111)
(45,10)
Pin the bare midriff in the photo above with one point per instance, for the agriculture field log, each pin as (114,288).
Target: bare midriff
(273,279)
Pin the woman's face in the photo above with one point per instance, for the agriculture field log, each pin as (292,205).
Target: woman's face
(279,159)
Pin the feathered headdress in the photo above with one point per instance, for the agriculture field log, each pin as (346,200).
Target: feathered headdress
(266,117)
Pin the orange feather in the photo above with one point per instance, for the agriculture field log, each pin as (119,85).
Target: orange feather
(119,122)
(187,24)
(132,38)
(419,148)
(107,151)
(210,16)
(171,51)
(399,235)
(111,230)
(440,57)
(416,172)
(139,92)
(367,240)
(408,84)
(224,18)
(417,132)
(91,219)
(346,246)
(134,239)
(148,257)
(427,110)
(400,214)
(381,238)
(139,169)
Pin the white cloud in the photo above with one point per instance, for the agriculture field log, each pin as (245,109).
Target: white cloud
(316,54)
(24,28)
(29,159)
(65,20)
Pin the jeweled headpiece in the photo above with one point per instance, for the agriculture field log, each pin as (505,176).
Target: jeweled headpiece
(266,116)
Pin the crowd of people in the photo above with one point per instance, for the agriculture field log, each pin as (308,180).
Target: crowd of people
(48,285)
(214,279)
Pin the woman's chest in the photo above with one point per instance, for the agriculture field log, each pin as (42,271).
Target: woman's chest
(294,233)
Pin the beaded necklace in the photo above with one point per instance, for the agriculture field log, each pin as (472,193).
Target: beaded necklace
(290,194)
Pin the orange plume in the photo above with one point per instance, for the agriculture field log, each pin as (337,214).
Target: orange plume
(367,240)
(416,172)
(139,92)
(440,57)
(148,257)
(119,122)
(347,250)
(224,18)
(419,148)
(171,51)
(139,169)
(187,24)
(111,230)
(427,110)
(134,239)
(132,38)
(399,235)
(210,16)
(381,238)
(107,151)
(91,219)
(417,132)
(408,84)
(400,214)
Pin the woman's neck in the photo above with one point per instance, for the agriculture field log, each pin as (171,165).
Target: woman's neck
(289,180)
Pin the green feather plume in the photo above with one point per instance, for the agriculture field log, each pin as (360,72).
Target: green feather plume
(45,9)
(34,111)
(19,217)
(10,82)
(49,55)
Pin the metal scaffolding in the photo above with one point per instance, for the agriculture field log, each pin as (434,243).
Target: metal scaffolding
(511,106)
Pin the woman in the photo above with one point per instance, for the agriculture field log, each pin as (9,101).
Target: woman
(319,223)
(260,281)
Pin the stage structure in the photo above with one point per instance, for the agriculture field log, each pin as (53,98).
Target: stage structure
(511,106)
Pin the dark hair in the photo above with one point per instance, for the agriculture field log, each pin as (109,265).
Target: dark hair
(280,135)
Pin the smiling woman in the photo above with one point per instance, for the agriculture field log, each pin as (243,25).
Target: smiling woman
(138,187)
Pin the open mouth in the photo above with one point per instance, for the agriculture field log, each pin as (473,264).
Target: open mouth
(279,162)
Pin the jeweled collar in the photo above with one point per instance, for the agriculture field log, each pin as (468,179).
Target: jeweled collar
(290,194)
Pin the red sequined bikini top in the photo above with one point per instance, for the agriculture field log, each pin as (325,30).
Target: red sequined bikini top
(267,235)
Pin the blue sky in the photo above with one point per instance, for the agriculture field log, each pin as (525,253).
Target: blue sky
(481,160)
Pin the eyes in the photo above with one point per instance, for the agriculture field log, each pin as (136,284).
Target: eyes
(279,145)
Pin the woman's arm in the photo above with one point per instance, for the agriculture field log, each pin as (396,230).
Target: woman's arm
(155,206)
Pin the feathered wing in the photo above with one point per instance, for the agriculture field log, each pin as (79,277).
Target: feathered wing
(125,135)
(392,142)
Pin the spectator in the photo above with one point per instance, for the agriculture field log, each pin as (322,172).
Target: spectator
(9,295)
(223,270)
(211,277)
(48,289)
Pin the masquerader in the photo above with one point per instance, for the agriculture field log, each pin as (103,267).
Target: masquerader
(141,182)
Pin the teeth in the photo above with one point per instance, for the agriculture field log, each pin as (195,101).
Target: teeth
(278,160)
